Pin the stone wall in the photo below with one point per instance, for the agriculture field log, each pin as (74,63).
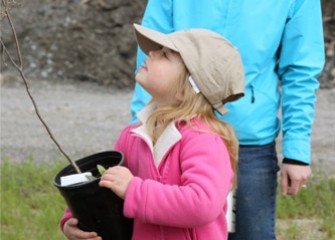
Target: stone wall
(92,40)
(78,40)
(327,78)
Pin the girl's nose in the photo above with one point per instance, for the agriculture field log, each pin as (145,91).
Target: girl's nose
(154,53)
(151,53)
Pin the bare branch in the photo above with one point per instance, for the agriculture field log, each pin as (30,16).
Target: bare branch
(7,14)
(19,68)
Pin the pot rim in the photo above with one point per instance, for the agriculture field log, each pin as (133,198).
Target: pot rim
(69,169)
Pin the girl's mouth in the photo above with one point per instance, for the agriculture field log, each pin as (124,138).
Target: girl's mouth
(144,66)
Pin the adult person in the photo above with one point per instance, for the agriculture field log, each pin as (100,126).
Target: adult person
(282,49)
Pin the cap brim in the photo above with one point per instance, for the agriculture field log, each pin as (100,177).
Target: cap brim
(150,40)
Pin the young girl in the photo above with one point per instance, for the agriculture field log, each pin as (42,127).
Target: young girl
(180,159)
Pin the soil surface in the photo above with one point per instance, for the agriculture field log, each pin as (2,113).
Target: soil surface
(86,118)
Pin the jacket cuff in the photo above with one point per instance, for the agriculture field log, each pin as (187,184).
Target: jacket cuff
(132,195)
(67,215)
(294,162)
(297,149)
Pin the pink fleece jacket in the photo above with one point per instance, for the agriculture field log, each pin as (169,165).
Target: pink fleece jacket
(180,186)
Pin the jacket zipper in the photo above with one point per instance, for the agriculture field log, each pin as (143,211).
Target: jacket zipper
(253,99)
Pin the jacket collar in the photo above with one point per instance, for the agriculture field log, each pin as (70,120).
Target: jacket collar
(169,137)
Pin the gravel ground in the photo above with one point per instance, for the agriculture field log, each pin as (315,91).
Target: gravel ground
(87,118)
(84,118)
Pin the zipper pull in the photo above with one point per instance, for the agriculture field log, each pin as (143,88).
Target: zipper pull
(253,99)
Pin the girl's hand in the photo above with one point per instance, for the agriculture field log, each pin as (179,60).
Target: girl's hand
(116,179)
(72,232)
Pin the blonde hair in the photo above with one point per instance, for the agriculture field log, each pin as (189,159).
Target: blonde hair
(188,104)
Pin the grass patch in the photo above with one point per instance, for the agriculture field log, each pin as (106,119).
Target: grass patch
(311,210)
(30,205)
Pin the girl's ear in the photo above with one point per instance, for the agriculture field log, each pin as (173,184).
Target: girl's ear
(180,88)
(180,95)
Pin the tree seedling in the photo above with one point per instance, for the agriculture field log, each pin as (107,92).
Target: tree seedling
(101,170)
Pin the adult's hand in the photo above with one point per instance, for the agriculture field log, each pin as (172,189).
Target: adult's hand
(293,178)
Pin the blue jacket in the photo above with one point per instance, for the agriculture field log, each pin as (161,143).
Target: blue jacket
(282,48)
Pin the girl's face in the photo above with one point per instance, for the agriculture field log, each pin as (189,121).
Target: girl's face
(160,75)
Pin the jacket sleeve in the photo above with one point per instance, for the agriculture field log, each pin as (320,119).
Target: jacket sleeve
(300,62)
(67,215)
(201,196)
(157,16)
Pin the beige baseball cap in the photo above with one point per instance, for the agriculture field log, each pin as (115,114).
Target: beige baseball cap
(213,62)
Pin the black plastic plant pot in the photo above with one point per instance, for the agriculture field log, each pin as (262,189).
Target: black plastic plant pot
(97,209)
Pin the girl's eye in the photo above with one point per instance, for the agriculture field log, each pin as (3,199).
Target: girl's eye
(164,54)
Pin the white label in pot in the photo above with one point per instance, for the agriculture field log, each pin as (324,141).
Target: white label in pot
(75,178)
